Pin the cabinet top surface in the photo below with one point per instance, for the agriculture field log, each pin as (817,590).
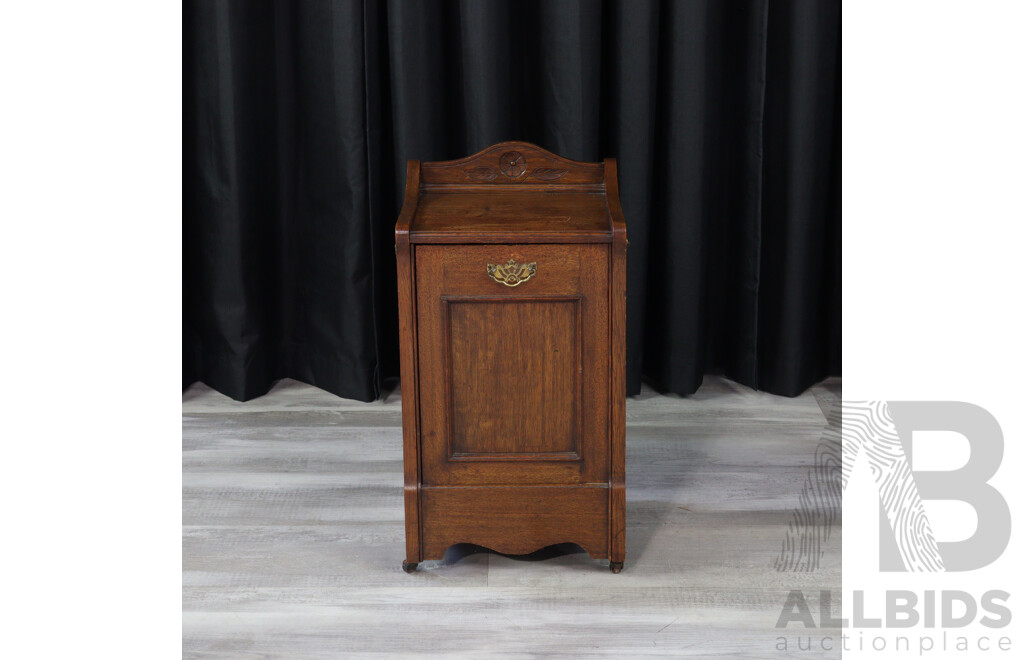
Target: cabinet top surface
(511,192)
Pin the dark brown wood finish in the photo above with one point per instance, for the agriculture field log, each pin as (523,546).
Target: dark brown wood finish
(487,216)
(521,360)
(511,272)
(513,163)
(515,519)
(407,355)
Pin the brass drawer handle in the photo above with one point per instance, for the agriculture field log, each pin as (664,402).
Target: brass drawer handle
(512,273)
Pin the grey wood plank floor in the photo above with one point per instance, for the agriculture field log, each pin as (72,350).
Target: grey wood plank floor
(292,537)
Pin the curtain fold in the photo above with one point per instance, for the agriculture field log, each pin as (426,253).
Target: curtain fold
(300,116)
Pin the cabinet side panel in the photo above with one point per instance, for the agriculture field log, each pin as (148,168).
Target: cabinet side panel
(410,411)
(617,342)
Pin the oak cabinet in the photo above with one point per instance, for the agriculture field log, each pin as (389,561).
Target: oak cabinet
(511,279)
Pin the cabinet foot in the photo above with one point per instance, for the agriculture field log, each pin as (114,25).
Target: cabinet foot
(408,566)
(616,566)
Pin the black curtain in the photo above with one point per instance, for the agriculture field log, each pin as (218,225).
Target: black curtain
(300,116)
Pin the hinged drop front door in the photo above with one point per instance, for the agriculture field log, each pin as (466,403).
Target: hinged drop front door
(513,349)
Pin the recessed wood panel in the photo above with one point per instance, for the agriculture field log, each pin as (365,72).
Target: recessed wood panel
(513,382)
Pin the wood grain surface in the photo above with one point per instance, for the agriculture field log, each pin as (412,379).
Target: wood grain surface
(528,382)
(515,258)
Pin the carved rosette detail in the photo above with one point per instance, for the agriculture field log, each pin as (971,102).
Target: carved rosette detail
(513,165)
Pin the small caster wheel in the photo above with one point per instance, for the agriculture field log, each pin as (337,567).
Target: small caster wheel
(616,566)
(408,566)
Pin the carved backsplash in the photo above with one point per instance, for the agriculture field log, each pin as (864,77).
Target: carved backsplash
(513,165)
(513,162)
